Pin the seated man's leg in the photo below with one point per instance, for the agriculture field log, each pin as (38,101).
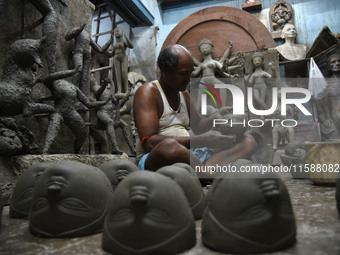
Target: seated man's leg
(243,150)
(167,152)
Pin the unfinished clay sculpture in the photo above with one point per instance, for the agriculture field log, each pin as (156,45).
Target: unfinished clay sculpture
(118,169)
(148,214)
(280,13)
(257,80)
(290,50)
(294,158)
(191,186)
(21,199)
(108,115)
(120,60)
(70,199)
(10,143)
(82,53)
(282,135)
(67,98)
(16,139)
(210,69)
(17,79)
(329,110)
(248,213)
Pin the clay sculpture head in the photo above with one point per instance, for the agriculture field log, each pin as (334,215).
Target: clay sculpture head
(148,214)
(191,186)
(70,199)
(249,213)
(25,52)
(21,199)
(116,170)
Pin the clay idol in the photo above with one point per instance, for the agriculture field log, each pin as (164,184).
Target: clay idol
(70,199)
(116,170)
(191,186)
(248,214)
(148,214)
(21,198)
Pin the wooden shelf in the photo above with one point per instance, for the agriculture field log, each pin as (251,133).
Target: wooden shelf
(256,6)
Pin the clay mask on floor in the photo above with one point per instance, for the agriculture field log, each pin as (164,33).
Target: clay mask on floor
(248,214)
(116,170)
(21,198)
(191,186)
(148,214)
(70,199)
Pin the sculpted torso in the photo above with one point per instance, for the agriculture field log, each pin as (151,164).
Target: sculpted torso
(292,52)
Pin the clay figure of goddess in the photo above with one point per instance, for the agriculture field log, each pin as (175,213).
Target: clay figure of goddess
(209,66)
(290,50)
(257,80)
(120,59)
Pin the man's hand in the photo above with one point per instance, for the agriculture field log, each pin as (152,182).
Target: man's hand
(212,139)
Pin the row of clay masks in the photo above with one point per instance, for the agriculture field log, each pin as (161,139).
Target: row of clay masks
(153,213)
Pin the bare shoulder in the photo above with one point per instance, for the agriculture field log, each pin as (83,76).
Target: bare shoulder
(148,88)
(147,96)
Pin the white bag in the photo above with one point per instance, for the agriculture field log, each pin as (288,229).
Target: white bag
(317,83)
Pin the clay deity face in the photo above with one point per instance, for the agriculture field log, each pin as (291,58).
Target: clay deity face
(148,214)
(21,198)
(191,186)
(334,63)
(117,170)
(118,32)
(70,199)
(257,61)
(206,49)
(248,215)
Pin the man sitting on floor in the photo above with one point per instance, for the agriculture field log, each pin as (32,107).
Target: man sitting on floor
(162,110)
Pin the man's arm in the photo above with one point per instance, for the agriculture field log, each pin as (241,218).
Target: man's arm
(147,109)
(198,124)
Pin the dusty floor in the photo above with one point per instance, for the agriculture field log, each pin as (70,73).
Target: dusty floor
(318,228)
